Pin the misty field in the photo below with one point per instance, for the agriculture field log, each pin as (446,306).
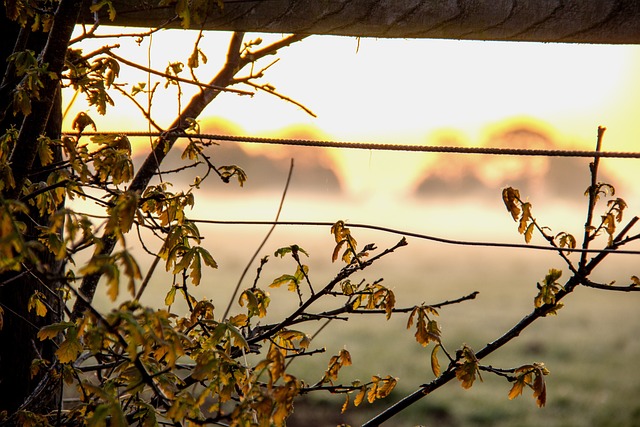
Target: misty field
(591,347)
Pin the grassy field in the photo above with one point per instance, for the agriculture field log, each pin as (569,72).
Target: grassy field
(591,348)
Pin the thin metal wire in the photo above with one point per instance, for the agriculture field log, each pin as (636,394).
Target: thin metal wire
(419,236)
(376,146)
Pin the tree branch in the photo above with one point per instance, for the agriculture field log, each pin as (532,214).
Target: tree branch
(234,63)
(175,78)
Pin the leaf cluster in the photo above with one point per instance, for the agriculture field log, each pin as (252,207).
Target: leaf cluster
(427,329)
(370,296)
(93,75)
(31,73)
(531,376)
(548,290)
(343,238)
(613,214)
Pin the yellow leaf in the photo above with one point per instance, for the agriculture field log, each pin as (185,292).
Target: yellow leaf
(131,270)
(289,280)
(360,396)
(196,269)
(35,303)
(435,364)
(516,389)
(336,251)
(171,296)
(539,388)
(36,365)
(389,383)
(70,348)
(345,405)
(239,320)
(510,197)
(634,280)
(81,121)
(30,419)
(304,342)
(345,357)
(52,331)
(389,303)
(467,367)
(373,391)
(411,316)
(528,233)
(113,281)
(45,154)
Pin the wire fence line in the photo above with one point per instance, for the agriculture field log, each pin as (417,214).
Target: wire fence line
(422,236)
(391,147)
(375,146)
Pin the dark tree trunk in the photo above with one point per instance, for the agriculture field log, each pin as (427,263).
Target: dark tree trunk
(18,342)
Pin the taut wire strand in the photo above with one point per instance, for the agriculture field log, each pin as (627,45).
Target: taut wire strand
(377,146)
(419,236)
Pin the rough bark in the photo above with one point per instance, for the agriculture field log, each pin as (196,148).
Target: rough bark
(53,54)
(576,21)
(18,342)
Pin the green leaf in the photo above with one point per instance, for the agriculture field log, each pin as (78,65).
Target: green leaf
(99,417)
(182,10)
(207,258)
(236,336)
(100,4)
(171,296)
(285,279)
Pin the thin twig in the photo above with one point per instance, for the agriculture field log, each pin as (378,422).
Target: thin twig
(264,241)
(176,78)
(628,288)
(593,189)
(270,90)
(147,278)
(350,310)
(266,331)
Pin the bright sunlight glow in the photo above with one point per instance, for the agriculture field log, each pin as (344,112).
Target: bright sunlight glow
(410,92)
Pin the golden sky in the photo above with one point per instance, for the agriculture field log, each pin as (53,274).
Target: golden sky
(411,92)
